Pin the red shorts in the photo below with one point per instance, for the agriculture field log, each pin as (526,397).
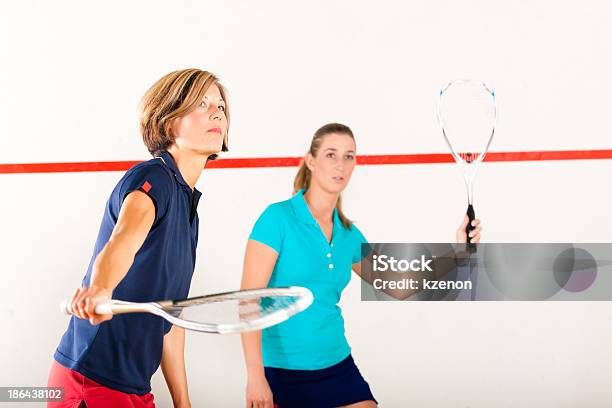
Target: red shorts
(80,391)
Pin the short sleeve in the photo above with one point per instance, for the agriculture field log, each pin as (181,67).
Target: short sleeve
(154,181)
(268,228)
(358,239)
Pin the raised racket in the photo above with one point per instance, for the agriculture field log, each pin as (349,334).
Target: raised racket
(467,114)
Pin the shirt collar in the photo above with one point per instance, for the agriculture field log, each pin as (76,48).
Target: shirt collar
(196,196)
(303,212)
(171,164)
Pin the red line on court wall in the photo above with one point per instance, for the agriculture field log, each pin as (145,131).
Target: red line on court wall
(423,158)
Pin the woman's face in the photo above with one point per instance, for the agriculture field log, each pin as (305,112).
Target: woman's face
(203,129)
(334,163)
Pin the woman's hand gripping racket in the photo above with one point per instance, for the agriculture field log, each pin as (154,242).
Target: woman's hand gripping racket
(231,312)
(467,114)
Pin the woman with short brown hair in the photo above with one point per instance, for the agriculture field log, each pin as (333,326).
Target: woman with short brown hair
(145,251)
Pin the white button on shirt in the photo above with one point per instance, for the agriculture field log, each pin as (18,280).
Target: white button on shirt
(331,266)
(329,255)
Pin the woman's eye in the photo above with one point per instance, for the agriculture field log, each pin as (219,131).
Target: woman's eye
(350,157)
(222,108)
(203,104)
(330,155)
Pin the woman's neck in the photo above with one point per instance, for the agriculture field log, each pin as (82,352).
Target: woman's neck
(189,164)
(321,203)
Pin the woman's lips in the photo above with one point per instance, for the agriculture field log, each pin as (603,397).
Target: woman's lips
(215,130)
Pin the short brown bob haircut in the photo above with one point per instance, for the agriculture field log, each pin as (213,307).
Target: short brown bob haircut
(171,97)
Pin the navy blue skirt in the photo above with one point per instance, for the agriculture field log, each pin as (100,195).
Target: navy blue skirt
(335,386)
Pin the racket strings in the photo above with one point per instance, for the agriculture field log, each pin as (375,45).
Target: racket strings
(232,309)
(253,310)
(467,114)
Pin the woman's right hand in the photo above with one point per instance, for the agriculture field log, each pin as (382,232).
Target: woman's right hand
(258,392)
(84,300)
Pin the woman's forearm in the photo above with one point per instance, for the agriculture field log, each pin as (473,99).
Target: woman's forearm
(111,265)
(173,366)
(251,346)
(259,261)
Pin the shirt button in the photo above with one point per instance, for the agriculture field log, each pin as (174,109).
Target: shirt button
(331,266)
(329,255)
(332,245)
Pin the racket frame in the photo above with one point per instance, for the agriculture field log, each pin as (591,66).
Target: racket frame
(468,169)
(305,299)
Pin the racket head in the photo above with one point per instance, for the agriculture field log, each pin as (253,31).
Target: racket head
(467,115)
(236,312)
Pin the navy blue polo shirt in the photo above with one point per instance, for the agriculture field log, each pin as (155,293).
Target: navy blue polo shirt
(124,353)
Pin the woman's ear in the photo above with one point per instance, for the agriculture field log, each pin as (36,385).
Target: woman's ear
(309,160)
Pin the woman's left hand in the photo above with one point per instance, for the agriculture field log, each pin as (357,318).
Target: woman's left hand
(474,234)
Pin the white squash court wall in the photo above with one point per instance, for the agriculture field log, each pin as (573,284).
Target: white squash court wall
(71,76)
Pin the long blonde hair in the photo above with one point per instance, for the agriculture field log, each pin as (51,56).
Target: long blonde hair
(303,176)
(171,97)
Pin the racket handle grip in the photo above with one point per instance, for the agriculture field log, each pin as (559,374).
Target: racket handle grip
(471,217)
(103,307)
(65,307)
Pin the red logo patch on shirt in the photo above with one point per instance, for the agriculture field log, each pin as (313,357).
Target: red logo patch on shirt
(146,187)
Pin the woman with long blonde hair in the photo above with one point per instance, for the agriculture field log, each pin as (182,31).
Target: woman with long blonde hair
(309,241)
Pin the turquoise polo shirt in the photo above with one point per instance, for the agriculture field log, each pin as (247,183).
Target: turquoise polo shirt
(313,339)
